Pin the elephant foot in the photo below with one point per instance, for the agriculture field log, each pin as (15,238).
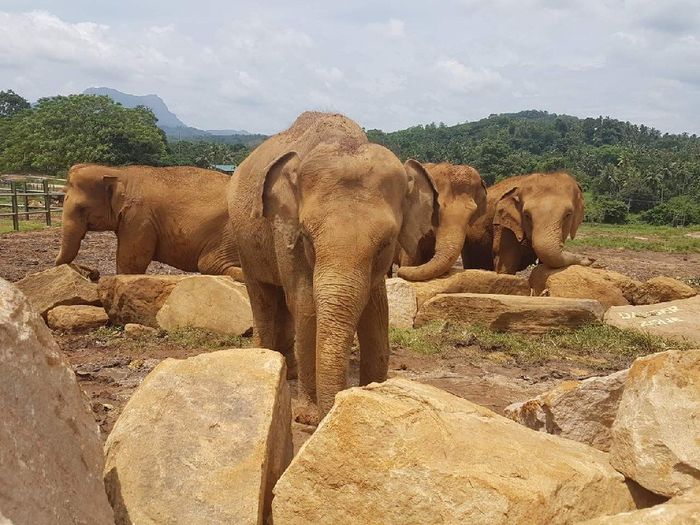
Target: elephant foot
(306,413)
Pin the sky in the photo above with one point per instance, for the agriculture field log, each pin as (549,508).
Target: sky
(386,64)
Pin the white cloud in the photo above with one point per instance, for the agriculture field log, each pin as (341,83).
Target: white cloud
(392,28)
(468,79)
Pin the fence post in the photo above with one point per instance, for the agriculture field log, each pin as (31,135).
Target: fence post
(26,202)
(15,208)
(47,201)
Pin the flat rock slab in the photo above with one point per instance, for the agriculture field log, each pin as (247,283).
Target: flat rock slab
(50,448)
(76,318)
(679,320)
(656,434)
(471,281)
(136,298)
(681,510)
(210,302)
(528,315)
(202,440)
(580,410)
(403,452)
(62,285)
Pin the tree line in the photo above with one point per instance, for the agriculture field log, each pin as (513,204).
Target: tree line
(628,172)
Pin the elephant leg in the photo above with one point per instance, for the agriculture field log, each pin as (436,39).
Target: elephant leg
(508,255)
(135,251)
(264,299)
(284,335)
(372,331)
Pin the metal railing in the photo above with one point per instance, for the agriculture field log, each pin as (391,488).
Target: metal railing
(30,197)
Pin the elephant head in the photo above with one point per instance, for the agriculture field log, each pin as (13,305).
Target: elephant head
(543,209)
(337,213)
(462,199)
(93,198)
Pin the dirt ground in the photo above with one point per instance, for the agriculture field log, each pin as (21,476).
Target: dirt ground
(109,366)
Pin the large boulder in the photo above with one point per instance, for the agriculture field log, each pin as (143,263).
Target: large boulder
(661,290)
(401,296)
(580,410)
(681,510)
(50,448)
(584,282)
(403,452)
(528,315)
(136,298)
(202,440)
(61,285)
(76,318)
(656,435)
(471,281)
(210,302)
(674,319)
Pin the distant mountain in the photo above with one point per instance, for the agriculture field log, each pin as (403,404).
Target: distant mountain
(167,120)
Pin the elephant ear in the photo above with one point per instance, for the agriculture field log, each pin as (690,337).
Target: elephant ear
(577,217)
(508,213)
(278,195)
(115,193)
(421,210)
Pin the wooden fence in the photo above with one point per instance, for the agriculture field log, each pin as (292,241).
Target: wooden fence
(27,197)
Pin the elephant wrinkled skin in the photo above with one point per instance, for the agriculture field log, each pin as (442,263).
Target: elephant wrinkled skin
(177,216)
(462,200)
(317,211)
(528,217)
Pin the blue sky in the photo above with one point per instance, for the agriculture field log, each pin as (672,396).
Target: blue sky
(388,65)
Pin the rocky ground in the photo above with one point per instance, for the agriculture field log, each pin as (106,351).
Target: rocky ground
(109,365)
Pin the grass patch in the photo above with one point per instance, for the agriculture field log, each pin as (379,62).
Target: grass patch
(26,226)
(637,237)
(601,346)
(113,336)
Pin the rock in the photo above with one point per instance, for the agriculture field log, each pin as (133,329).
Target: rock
(656,435)
(528,315)
(681,510)
(403,452)
(50,448)
(211,302)
(661,290)
(61,285)
(75,318)
(471,281)
(580,410)
(136,298)
(202,440)
(136,331)
(584,282)
(675,319)
(402,302)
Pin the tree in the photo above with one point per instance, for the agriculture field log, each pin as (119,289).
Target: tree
(11,103)
(62,131)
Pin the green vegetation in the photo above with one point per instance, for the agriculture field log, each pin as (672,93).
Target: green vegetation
(601,346)
(189,338)
(205,154)
(615,161)
(637,237)
(25,226)
(61,131)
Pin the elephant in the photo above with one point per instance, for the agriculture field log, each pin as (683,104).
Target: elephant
(462,200)
(317,211)
(528,217)
(174,215)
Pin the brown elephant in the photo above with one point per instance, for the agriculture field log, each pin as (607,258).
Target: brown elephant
(317,211)
(176,215)
(462,200)
(528,217)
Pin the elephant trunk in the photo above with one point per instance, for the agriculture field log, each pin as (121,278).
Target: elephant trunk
(448,246)
(549,248)
(72,233)
(340,297)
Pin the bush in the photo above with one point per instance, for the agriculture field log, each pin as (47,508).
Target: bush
(678,211)
(606,210)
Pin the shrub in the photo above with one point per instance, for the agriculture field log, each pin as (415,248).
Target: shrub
(678,211)
(606,210)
